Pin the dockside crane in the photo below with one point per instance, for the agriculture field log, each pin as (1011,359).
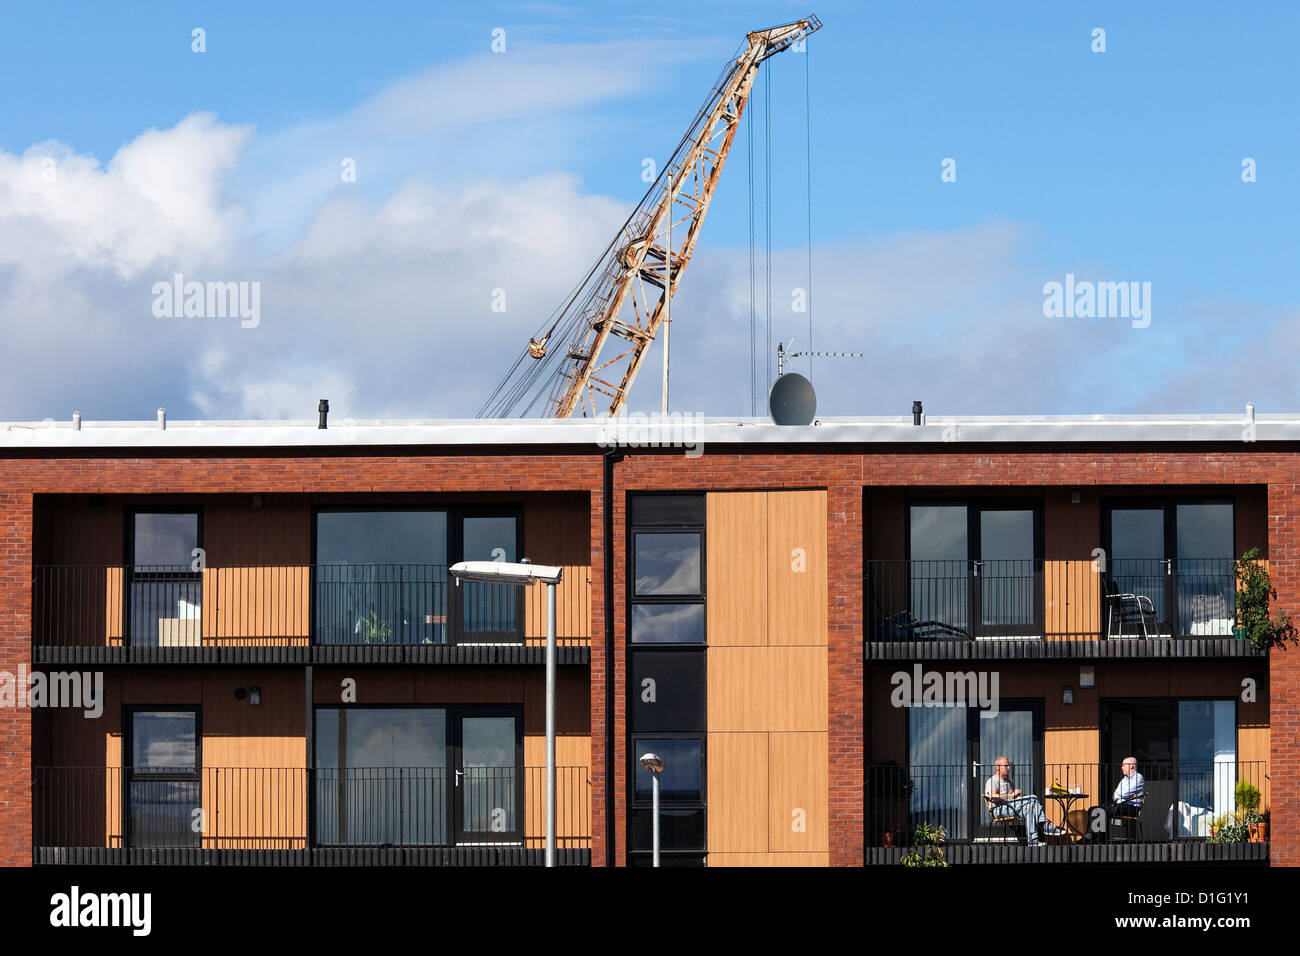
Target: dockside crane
(572,366)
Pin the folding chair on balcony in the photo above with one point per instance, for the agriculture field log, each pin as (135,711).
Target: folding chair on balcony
(1131,615)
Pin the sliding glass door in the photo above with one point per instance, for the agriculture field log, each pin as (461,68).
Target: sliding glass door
(1179,556)
(418,776)
(1186,751)
(974,570)
(951,756)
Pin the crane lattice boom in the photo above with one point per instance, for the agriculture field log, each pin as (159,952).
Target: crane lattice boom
(622,298)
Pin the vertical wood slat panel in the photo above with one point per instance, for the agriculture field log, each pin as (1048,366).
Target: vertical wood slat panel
(737,569)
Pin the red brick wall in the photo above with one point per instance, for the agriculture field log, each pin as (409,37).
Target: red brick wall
(841,470)
(15,651)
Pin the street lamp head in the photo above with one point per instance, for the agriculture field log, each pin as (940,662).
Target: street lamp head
(504,572)
(653,763)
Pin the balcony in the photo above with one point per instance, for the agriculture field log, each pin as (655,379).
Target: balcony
(1186,817)
(290,816)
(321,613)
(1024,608)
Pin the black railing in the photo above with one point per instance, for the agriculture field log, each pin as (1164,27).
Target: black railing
(289,605)
(1054,599)
(242,808)
(1185,800)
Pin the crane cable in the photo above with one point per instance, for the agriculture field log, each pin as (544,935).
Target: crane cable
(807,112)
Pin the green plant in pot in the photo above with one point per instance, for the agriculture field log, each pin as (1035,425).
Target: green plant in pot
(1248,800)
(927,846)
(1254,593)
(374,629)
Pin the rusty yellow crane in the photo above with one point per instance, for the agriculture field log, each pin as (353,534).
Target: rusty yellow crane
(585,359)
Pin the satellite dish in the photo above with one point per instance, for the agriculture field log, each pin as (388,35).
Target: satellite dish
(792,400)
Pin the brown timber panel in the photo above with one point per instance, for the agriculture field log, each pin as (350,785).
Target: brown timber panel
(767,688)
(738,792)
(797,795)
(769,859)
(738,577)
(557,532)
(257,586)
(796,529)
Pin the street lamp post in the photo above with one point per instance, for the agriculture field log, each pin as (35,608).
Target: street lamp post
(654,766)
(524,574)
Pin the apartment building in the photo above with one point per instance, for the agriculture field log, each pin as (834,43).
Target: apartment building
(288,674)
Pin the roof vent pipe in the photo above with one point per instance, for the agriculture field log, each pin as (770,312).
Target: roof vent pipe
(1250,412)
(162,419)
(917,415)
(324,409)
(76,421)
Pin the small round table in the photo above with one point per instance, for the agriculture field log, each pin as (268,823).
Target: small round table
(1067,800)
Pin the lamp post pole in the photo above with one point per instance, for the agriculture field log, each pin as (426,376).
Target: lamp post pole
(550,723)
(524,574)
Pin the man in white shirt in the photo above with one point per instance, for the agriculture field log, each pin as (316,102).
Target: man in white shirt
(1130,790)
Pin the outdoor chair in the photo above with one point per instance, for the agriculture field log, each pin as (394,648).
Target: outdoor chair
(1133,615)
(1129,817)
(1012,823)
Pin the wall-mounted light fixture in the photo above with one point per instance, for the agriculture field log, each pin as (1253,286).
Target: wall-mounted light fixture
(1075,496)
(255,696)
(1067,695)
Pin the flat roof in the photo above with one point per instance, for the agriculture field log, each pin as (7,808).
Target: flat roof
(640,431)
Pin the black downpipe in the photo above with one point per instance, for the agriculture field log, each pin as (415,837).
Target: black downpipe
(611,456)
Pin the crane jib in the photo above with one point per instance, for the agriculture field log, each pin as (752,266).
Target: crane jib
(625,294)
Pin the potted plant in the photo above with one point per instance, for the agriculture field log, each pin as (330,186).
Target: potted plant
(374,629)
(890,790)
(927,846)
(1261,829)
(1254,592)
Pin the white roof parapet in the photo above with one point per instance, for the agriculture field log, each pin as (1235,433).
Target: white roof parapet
(641,431)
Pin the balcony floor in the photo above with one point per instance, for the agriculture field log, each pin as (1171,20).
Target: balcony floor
(242,655)
(320,856)
(1181,852)
(1036,648)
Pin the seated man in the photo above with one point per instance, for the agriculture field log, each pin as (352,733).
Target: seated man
(1130,791)
(1008,801)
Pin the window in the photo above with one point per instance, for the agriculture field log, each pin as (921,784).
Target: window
(975,569)
(418,776)
(1179,555)
(666,661)
(163,778)
(1186,751)
(381,576)
(667,570)
(164,583)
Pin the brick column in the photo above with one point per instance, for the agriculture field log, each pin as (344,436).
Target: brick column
(1284,679)
(15,650)
(845,702)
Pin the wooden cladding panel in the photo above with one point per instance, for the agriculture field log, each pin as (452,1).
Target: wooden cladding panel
(796,562)
(738,569)
(738,800)
(769,859)
(797,792)
(767,688)
(767,679)
(557,532)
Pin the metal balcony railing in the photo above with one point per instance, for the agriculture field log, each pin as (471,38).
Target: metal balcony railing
(288,605)
(1184,801)
(291,808)
(1050,599)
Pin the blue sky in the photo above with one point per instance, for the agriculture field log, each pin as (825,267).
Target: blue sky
(1122,165)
